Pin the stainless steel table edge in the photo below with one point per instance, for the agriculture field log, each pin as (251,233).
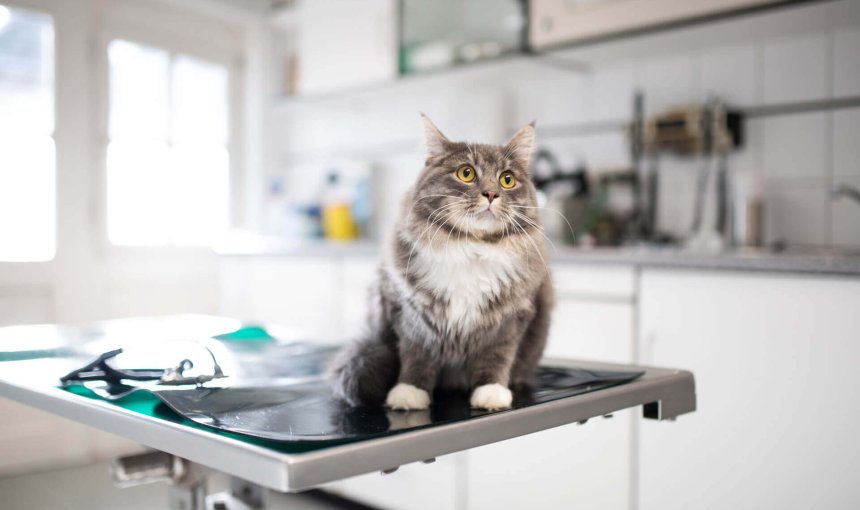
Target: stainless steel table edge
(665,393)
(244,460)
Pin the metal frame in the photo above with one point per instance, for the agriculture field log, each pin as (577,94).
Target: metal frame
(663,393)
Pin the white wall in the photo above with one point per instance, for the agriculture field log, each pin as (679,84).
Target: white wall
(788,55)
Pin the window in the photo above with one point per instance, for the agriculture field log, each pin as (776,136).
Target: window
(27,161)
(168,160)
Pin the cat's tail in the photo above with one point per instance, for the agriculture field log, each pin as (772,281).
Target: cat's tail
(363,371)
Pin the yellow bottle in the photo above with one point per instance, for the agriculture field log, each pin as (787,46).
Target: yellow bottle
(338,224)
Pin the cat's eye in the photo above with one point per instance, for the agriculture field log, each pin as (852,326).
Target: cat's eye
(507,180)
(466,173)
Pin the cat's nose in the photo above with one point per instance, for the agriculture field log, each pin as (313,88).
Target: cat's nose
(490,195)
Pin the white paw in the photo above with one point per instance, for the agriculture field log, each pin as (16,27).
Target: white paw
(405,397)
(492,397)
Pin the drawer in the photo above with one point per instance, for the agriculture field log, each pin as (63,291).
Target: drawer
(601,331)
(415,486)
(597,281)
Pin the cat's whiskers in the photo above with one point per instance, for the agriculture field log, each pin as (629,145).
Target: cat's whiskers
(434,217)
(528,237)
(457,226)
(442,224)
(572,233)
(429,226)
(422,197)
(535,225)
(448,208)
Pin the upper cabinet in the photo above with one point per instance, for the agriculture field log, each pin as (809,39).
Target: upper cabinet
(444,33)
(332,45)
(325,46)
(558,22)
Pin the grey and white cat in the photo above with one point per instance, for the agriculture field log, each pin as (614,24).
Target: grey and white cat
(463,296)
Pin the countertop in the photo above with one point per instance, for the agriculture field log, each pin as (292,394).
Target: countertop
(808,261)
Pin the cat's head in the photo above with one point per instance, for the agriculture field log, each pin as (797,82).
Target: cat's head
(475,189)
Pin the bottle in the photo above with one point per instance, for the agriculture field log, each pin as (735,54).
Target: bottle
(276,206)
(337,219)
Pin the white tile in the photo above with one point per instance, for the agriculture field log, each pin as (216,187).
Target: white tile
(796,69)
(551,98)
(846,142)
(797,216)
(568,151)
(609,93)
(669,82)
(599,153)
(603,151)
(795,146)
(731,74)
(845,218)
(846,62)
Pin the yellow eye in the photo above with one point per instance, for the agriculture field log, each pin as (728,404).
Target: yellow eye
(466,173)
(507,180)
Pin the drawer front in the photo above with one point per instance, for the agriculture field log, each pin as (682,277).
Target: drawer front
(601,331)
(595,281)
(415,486)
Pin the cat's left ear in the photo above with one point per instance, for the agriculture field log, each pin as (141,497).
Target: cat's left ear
(521,145)
(435,143)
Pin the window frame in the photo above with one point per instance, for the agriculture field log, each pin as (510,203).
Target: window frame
(29,275)
(174,42)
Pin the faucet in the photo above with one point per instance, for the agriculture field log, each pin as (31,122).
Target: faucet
(844,190)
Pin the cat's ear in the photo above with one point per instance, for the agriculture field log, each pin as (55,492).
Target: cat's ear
(435,143)
(521,145)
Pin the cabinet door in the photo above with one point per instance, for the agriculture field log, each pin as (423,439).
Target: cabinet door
(572,466)
(363,51)
(416,486)
(776,363)
(292,291)
(596,330)
(354,290)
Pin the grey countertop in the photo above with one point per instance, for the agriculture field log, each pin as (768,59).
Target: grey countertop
(819,262)
(808,261)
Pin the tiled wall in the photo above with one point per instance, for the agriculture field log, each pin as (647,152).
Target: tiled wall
(785,56)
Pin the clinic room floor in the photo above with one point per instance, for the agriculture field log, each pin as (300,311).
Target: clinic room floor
(90,487)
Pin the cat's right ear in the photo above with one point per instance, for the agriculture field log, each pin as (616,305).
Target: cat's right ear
(435,143)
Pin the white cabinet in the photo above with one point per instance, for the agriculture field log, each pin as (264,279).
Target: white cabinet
(595,330)
(323,295)
(594,313)
(358,274)
(574,466)
(558,22)
(416,486)
(344,43)
(777,366)
(293,291)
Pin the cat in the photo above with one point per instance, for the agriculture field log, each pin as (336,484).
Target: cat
(463,296)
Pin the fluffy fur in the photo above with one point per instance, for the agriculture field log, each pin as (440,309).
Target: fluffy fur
(463,296)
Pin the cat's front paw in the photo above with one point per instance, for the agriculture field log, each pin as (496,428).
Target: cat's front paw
(492,397)
(405,397)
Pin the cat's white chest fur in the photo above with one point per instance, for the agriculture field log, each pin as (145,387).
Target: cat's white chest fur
(467,275)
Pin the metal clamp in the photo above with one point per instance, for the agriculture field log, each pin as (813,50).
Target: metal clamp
(187,483)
